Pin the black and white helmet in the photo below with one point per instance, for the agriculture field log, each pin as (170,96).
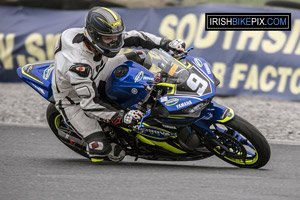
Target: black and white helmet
(102,22)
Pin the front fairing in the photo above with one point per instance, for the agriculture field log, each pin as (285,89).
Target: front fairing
(186,84)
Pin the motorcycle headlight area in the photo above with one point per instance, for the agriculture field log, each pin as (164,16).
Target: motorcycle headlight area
(196,108)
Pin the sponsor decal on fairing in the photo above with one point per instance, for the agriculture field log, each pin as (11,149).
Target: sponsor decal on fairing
(139,76)
(171,102)
(184,104)
(47,72)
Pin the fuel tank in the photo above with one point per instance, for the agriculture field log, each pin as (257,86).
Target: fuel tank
(126,85)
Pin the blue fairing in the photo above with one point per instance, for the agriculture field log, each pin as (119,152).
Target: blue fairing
(38,75)
(213,113)
(202,65)
(129,89)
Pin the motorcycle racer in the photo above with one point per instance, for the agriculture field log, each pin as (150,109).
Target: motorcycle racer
(84,58)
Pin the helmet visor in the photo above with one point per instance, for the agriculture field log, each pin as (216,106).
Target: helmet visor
(109,42)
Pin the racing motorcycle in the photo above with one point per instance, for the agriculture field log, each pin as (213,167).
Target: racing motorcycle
(182,122)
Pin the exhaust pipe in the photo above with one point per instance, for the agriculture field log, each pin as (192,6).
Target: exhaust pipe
(71,140)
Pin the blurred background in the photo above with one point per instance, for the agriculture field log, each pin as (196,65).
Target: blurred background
(253,63)
(86,4)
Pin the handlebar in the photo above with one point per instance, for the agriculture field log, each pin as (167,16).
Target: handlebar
(184,54)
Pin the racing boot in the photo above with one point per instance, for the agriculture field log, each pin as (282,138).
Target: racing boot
(98,147)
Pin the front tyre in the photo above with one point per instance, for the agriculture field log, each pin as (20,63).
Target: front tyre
(241,144)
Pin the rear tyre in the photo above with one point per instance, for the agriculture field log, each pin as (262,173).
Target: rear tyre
(55,121)
(245,146)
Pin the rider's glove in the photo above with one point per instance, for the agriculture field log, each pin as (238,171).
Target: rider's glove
(141,53)
(131,118)
(137,56)
(177,45)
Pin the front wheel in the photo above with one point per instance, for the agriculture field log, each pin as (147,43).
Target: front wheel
(240,144)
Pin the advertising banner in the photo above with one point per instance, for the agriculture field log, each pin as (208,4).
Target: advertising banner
(264,63)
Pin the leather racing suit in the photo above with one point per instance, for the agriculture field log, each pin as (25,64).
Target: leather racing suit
(78,73)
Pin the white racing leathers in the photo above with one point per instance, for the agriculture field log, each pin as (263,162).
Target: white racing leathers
(78,73)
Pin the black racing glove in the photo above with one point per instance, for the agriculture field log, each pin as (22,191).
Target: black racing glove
(137,56)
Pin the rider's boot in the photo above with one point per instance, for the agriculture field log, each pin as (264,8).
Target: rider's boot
(98,147)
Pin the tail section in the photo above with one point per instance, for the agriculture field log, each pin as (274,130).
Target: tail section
(38,75)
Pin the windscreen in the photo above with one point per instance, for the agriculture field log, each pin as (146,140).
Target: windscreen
(186,80)
(164,63)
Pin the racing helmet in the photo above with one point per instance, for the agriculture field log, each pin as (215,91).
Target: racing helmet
(104,30)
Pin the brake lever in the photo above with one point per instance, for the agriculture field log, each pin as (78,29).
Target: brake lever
(146,115)
(184,54)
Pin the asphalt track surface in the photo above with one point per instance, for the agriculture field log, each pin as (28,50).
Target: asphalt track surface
(36,166)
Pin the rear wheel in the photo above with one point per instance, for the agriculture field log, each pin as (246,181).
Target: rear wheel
(55,121)
(241,144)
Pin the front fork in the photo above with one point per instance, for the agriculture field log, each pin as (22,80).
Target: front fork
(213,113)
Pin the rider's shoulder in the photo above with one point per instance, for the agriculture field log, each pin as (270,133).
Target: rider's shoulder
(67,37)
(72,32)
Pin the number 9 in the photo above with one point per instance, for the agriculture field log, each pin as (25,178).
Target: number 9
(194,82)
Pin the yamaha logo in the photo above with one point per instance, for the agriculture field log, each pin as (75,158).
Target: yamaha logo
(134,91)
(207,68)
(184,104)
